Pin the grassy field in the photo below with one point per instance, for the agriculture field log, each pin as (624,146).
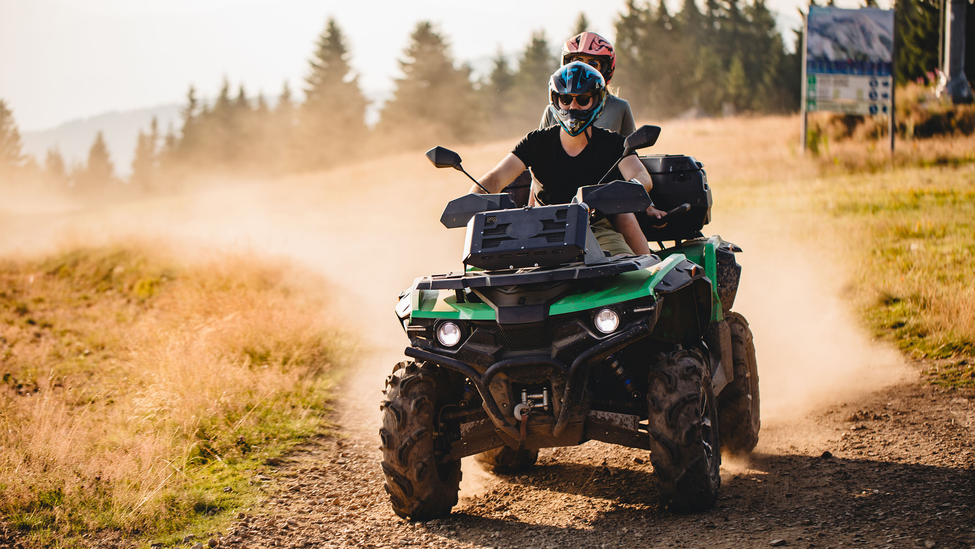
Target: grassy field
(140,395)
(901,229)
(914,236)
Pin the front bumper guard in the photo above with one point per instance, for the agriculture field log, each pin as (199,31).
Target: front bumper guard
(576,374)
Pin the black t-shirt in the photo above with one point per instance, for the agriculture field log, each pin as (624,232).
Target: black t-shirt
(561,175)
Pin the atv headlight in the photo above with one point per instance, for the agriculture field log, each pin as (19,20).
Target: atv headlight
(448,334)
(606,321)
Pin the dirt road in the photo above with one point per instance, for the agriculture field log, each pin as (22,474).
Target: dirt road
(854,451)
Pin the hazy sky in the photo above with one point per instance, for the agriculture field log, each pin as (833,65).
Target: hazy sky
(67,59)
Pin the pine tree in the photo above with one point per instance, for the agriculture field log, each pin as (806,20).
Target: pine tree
(260,137)
(282,133)
(55,171)
(761,51)
(692,24)
(582,24)
(169,168)
(630,32)
(11,157)
(220,129)
(668,62)
(433,100)
(735,87)
(241,147)
(916,40)
(332,119)
(496,97)
(530,91)
(652,61)
(99,172)
(189,146)
(145,165)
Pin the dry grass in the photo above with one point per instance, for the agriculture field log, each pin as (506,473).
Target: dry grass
(930,132)
(138,393)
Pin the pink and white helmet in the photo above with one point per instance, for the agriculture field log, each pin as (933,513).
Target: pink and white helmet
(590,43)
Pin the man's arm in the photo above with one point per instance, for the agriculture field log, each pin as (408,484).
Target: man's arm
(632,168)
(502,175)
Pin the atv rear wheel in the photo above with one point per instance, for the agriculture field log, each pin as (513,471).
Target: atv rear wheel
(684,446)
(739,411)
(419,488)
(506,460)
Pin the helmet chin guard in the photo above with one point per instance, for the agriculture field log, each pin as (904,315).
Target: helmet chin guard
(576,79)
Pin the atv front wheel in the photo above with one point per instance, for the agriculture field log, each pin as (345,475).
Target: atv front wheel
(684,446)
(419,488)
(506,460)
(739,416)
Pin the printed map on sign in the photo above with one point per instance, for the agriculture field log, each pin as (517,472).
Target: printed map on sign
(849,60)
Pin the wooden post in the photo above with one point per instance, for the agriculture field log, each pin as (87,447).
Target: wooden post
(891,116)
(805,85)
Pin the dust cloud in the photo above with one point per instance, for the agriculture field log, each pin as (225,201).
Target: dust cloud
(811,351)
(371,228)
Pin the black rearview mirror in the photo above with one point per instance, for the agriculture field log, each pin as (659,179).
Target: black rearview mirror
(444,158)
(643,137)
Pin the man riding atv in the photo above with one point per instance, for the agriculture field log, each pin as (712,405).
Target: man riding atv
(576,153)
(551,336)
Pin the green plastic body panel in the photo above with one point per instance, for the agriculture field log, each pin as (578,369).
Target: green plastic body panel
(443,304)
(627,286)
(704,253)
(624,287)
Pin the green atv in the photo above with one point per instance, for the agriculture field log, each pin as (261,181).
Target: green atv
(544,341)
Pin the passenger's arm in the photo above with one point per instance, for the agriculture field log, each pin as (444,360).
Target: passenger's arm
(632,168)
(501,176)
(548,120)
(627,125)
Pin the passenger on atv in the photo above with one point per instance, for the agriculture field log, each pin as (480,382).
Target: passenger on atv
(574,154)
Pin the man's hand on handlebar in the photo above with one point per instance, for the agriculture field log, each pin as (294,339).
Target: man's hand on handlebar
(654,212)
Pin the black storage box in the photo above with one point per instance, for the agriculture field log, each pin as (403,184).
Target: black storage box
(677,179)
(514,239)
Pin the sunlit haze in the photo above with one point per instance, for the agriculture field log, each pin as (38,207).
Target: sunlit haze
(65,59)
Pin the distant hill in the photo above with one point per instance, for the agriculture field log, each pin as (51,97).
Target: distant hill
(74,138)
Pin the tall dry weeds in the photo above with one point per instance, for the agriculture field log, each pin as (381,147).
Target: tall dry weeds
(136,390)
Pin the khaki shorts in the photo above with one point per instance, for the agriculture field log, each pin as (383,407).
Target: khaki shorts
(609,240)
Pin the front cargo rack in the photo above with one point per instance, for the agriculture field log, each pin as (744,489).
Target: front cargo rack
(533,275)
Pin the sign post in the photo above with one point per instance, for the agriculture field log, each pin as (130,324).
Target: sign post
(848,64)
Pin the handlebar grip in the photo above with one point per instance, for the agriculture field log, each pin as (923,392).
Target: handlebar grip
(685,207)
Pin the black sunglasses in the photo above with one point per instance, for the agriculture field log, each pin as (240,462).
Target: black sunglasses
(581,100)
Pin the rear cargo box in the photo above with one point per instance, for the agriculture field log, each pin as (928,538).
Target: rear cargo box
(677,179)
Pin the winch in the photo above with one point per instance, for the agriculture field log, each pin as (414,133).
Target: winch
(531,401)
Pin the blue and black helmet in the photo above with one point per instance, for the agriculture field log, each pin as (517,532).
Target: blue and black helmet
(576,79)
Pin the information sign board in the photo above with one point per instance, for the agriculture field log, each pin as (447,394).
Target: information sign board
(849,94)
(849,60)
(848,63)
